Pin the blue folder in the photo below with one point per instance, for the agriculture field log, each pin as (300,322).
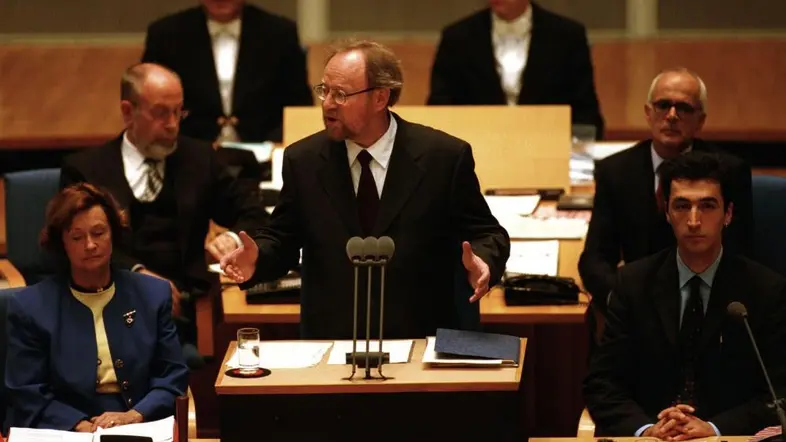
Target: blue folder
(451,343)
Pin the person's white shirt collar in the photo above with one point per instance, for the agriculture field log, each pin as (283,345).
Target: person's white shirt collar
(519,27)
(380,151)
(231,28)
(133,158)
(657,160)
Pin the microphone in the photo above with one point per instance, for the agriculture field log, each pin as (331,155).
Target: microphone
(738,310)
(386,247)
(354,249)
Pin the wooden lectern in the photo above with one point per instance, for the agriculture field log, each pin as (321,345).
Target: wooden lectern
(418,403)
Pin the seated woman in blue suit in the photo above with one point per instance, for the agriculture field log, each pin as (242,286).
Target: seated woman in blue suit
(92,346)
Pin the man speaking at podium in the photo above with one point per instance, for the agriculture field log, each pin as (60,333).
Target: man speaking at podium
(371,173)
(672,363)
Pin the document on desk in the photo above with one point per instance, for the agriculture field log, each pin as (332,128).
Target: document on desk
(512,204)
(287,354)
(533,258)
(159,431)
(262,151)
(432,358)
(527,227)
(399,350)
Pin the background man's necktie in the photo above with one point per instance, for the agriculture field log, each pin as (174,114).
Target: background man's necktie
(153,181)
(367,196)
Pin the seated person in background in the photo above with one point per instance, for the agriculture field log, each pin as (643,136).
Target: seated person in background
(172,187)
(672,363)
(516,53)
(94,345)
(628,221)
(240,67)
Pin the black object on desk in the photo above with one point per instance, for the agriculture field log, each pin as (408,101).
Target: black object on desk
(470,344)
(540,290)
(575,202)
(282,291)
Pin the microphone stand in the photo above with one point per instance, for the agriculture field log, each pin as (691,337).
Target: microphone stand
(776,403)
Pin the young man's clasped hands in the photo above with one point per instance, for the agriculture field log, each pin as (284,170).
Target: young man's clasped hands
(678,423)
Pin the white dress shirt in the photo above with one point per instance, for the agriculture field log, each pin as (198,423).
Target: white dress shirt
(226,41)
(511,48)
(380,153)
(135,168)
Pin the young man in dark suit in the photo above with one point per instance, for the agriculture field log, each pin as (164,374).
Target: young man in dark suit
(516,52)
(627,221)
(673,364)
(240,66)
(171,186)
(372,173)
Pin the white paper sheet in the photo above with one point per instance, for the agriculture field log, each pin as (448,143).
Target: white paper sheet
(512,204)
(430,358)
(399,350)
(160,431)
(287,354)
(37,435)
(533,258)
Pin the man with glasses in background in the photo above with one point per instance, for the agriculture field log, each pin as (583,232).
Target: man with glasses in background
(372,173)
(171,186)
(628,221)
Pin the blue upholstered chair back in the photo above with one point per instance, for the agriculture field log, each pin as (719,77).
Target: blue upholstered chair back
(769,219)
(26,196)
(5,295)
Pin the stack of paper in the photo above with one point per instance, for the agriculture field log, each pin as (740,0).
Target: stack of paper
(526,227)
(431,357)
(287,354)
(159,431)
(399,350)
(533,258)
(501,205)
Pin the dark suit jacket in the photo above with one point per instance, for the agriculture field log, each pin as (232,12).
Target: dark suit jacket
(51,374)
(431,202)
(558,70)
(634,374)
(204,189)
(271,71)
(625,222)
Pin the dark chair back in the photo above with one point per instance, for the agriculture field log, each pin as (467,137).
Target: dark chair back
(769,220)
(26,196)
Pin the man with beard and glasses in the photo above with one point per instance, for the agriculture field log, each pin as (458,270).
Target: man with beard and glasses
(372,173)
(171,186)
(628,221)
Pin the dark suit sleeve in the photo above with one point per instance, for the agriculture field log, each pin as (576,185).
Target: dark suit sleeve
(598,261)
(754,414)
(32,400)
(70,174)
(609,381)
(739,238)
(154,47)
(169,374)
(443,85)
(293,75)
(280,241)
(234,206)
(584,103)
(476,224)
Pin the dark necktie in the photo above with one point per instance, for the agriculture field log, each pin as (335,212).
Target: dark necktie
(367,196)
(153,180)
(690,333)
(659,198)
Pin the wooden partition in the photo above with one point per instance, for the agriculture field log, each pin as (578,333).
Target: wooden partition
(54,93)
(523,146)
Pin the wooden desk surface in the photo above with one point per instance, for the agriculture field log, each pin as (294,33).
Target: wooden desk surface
(410,377)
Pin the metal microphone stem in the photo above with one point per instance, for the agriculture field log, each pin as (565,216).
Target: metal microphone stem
(355,322)
(381,313)
(368,323)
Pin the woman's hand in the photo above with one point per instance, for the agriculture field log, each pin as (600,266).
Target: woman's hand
(115,419)
(83,427)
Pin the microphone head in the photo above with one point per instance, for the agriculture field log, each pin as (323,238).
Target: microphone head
(371,248)
(386,247)
(355,248)
(737,309)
